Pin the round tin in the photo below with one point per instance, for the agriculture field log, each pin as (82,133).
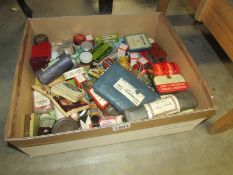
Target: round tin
(86,46)
(78,39)
(86,57)
(65,124)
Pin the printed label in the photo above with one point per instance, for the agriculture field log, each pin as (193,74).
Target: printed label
(129,91)
(123,46)
(51,63)
(137,41)
(121,53)
(134,55)
(73,73)
(108,121)
(100,100)
(40,100)
(171,83)
(173,87)
(67,91)
(143,60)
(168,79)
(80,78)
(169,105)
(121,126)
(133,61)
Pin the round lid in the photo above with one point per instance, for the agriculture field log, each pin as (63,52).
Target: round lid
(65,124)
(86,57)
(78,39)
(40,38)
(86,46)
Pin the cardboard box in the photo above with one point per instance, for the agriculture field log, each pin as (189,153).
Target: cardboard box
(62,28)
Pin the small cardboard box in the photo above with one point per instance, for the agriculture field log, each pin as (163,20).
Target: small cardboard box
(58,29)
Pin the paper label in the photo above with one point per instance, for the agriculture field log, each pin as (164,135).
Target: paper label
(121,126)
(108,121)
(80,78)
(50,64)
(143,60)
(40,100)
(133,61)
(172,87)
(73,73)
(134,55)
(137,41)
(165,106)
(123,46)
(100,100)
(129,91)
(171,83)
(68,91)
(121,53)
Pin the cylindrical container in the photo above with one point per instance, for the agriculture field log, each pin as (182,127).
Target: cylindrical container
(86,46)
(86,57)
(65,124)
(55,68)
(168,105)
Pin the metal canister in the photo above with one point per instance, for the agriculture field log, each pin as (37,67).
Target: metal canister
(55,68)
(65,124)
(86,46)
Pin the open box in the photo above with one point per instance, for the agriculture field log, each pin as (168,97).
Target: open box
(155,25)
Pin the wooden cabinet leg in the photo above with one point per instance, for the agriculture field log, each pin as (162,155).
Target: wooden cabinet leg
(222,124)
(162,6)
(25,8)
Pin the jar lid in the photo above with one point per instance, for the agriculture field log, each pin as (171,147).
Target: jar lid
(86,46)
(40,38)
(86,57)
(65,124)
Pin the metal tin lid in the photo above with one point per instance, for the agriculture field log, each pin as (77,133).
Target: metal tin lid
(86,46)
(65,124)
(40,38)
(86,57)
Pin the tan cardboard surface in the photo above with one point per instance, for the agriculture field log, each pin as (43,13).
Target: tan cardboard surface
(58,29)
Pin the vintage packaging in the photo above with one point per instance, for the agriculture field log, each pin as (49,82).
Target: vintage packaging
(122,89)
(170,83)
(137,42)
(40,55)
(41,104)
(74,72)
(100,51)
(65,124)
(106,121)
(34,125)
(101,103)
(65,106)
(68,91)
(106,38)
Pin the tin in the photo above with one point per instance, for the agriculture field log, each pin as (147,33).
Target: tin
(65,124)
(86,57)
(86,46)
